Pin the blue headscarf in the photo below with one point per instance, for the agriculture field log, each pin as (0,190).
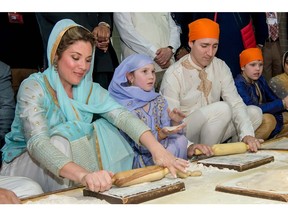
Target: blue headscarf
(88,97)
(132,97)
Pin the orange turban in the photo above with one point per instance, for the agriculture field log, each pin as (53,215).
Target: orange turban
(203,28)
(249,55)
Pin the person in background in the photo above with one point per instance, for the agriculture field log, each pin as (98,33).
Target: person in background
(153,34)
(14,188)
(101,24)
(11,188)
(254,89)
(54,140)
(7,103)
(133,87)
(267,32)
(279,83)
(202,87)
(21,44)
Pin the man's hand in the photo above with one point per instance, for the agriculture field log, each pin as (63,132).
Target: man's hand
(102,34)
(253,143)
(163,56)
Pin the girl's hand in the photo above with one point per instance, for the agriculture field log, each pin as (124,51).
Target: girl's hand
(176,116)
(173,130)
(163,133)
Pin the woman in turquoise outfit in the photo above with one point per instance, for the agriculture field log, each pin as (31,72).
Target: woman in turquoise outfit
(53,138)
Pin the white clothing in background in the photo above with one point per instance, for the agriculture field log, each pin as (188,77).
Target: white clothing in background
(145,33)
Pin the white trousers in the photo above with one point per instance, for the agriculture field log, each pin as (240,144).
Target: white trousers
(23,187)
(24,165)
(213,123)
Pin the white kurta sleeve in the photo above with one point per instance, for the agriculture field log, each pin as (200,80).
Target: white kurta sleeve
(131,37)
(174,33)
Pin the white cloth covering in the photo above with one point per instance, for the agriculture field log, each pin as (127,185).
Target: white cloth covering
(23,187)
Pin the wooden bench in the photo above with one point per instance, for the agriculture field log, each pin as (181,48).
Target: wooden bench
(18,75)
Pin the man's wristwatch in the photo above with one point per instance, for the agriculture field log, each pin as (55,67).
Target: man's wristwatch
(260,46)
(172,49)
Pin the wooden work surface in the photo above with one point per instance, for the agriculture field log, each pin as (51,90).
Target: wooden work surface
(239,162)
(270,184)
(201,190)
(276,144)
(139,193)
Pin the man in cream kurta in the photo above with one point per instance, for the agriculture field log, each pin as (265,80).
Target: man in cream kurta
(202,87)
(153,34)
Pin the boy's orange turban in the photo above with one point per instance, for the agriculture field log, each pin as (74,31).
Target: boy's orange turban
(203,28)
(249,55)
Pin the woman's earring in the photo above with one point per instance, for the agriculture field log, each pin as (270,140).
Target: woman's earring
(55,66)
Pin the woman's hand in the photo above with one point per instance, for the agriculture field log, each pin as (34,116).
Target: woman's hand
(94,181)
(252,142)
(98,181)
(164,158)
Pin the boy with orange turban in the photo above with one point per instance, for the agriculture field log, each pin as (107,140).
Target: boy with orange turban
(254,89)
(202,87)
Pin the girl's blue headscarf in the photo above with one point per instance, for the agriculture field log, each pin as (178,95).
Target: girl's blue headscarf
(132,97)
(88,97)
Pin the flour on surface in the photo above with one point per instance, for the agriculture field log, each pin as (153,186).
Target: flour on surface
(62,199)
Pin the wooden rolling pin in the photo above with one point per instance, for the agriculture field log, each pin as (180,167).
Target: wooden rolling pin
(227,149)
(146,174)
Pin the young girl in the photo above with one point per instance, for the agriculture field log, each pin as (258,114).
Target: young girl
(254,90)
(133,87)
